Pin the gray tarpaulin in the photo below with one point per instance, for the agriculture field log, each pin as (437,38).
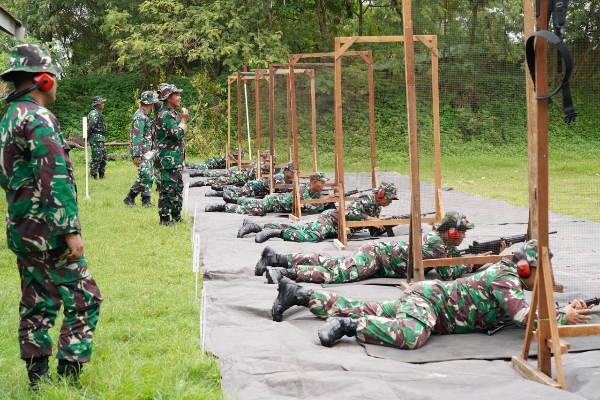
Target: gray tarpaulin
(261,358)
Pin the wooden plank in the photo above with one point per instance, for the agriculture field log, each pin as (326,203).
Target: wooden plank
(528,371)
(384,39)
(404,285)
(564,346)
(293,217)
(315,65)
(339,245)
(579,330)
(443,262)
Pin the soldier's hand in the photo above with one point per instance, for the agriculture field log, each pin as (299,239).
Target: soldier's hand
(504,245)
(184,114)
(380,227)
(576,316)
(75,244)
(137,160)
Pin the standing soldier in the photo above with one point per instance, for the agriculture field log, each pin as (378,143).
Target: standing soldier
(170,128)
(97,134)
(43,227)
(142,151)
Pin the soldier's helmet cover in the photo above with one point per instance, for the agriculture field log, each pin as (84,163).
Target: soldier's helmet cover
(149,97)
(290,166)
(451,220)
(30,58)
(389,191)
(529,252)
(318,176)
(166,89)
(97,100)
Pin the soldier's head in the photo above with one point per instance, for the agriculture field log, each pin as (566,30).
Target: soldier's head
(31,71)
(288,171)
(526,262)
(453,228)
(170,95)
(98,102)
(385,193)
(148,99)
(317,182)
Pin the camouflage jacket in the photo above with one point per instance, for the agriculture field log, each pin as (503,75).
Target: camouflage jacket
(475,303)
(434,247)
(95,126)
(37,176)
(306,195)
(169,135)
(362,208)
(141,133)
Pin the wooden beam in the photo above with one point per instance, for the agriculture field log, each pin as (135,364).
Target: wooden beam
(579,330)
(528,371)
(444,262)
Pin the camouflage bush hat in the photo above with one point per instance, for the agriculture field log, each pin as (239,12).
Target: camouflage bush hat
(30,58)
(149,97)
(450,220)
(318,176)
(390,191)
(166,89)
(97,100)
(290,166)
(529,252)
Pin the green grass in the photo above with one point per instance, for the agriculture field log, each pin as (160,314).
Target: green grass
(147,341)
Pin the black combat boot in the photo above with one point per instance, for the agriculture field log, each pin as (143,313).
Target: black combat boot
(218,188)
(248,227)
(274,274)
(268,257)
(37,370)
(95,176)
(178,218)
(166,220)
(146,202)
(215,208)
(196,173)
(214,193)
(336,328)
(267,234)
(69,370)
(130,198)
(290,294)
(197,184)
(101,175)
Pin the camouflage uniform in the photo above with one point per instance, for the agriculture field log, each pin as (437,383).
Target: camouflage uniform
(37,176)
(256,187)
(473,304)
(210,163)
(169,158)
(142,138)
(97,136)
(275,202)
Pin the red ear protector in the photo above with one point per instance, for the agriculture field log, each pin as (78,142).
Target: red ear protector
(453,233)
(523,268)
(381,194)
(43,81)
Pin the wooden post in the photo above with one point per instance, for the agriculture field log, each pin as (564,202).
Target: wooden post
(411,108)
(239,110)
(228,150)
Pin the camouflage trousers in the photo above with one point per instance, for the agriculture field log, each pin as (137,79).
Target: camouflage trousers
(98,164)
(170,192)
(312,232)
(370,260)
(276,202)
(221,173)
(405,323)
(257,187)
(47,281)
(143,183)
(209,163)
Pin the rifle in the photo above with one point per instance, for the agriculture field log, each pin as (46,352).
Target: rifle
(492,245)
(509,322)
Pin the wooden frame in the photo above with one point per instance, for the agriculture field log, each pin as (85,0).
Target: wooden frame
(548,334)
(294,59)
(342,44)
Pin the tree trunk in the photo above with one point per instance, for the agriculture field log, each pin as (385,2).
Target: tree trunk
(321,13)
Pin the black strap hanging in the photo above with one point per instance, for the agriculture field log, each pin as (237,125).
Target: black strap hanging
(570,112)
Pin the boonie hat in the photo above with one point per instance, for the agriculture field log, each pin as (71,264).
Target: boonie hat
(318,176)
(529,252)
(165,90)
(30,58)
(290,166)
(390,191)
(148,97)
(97,100)
(450,220)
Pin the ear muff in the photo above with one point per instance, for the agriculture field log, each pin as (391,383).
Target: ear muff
(453,233)
(43,81)
(523,269)
(381,194)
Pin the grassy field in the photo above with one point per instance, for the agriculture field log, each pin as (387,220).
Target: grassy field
(147,342)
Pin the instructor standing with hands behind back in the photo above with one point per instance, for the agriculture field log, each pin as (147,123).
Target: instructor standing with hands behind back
(169,161)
